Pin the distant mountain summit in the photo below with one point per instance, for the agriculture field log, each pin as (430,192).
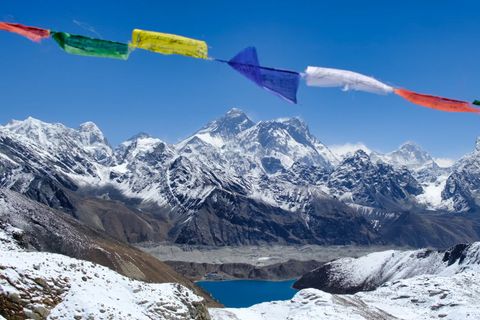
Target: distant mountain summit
(228,126)
(410,155)
(235,181)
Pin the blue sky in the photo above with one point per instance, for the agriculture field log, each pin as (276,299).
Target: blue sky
(427,46)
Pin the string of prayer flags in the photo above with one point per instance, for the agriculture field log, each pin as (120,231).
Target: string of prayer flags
(283,83)
(349,80)
(85,46)
(434,102)
(165,43)
(280,82)
(32,33)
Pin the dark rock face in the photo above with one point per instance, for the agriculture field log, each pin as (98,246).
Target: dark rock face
(32,179)
(420,230)
(371,184)
(48,192)
(455,254)
(321,279)
(226,219)
(463,185)
(272,165)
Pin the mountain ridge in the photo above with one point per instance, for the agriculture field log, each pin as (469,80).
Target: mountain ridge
(286,185)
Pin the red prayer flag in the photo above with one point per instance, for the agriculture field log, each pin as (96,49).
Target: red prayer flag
(438,103)
(32,33)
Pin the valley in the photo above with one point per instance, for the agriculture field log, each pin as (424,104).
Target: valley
(269,262)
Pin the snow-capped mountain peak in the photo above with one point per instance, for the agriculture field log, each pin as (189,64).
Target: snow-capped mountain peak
(218,132)
(477,145)
(409,154)
(295,127)
(235,112)
(342,151)
(29,123)
(56,139)
(92,133)
(295,122)
(140,146)
(34,129)
(359,156)
(287,140)
(229,125)
(51,134)
(358,161)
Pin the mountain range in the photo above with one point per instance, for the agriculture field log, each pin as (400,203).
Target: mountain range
(237,182)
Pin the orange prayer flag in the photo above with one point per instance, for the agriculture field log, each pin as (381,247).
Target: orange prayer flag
(438,103)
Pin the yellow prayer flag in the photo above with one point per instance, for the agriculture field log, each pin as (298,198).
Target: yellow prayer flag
(169,44)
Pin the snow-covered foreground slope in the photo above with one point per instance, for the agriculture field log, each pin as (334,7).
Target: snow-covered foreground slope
(42,285)
(350,275)
(422,297)
(419,284)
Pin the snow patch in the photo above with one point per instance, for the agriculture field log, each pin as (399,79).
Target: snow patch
(215,141)
(444,162)
(432,196)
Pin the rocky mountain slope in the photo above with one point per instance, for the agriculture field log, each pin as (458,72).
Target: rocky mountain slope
(463,185)
(237,182)
(372,184)
(46,229)
(350,275)
(40,285)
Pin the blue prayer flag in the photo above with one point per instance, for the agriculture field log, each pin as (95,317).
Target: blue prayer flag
(281,82)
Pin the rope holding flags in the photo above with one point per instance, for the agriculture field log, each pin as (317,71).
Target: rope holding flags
(283,83)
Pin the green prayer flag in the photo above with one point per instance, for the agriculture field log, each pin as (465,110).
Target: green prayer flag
(476,102)
(86,46)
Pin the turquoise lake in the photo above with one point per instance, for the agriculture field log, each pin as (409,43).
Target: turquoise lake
(244,293)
